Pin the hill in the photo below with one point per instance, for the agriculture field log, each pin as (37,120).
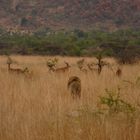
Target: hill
(67,14)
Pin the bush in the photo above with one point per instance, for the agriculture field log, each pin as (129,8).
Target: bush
(124,45)
(129,55)
(115,104)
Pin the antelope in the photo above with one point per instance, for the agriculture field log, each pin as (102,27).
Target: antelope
(80,63)
(18,71)
(51,64)
(84,70)
(119,72)
(74,86)
(90,66)
(9,62)
(63,69)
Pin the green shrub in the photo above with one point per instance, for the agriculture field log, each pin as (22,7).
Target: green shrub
(115,104)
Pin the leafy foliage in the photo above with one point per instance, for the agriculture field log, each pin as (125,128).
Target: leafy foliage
(115,104)
(123,44)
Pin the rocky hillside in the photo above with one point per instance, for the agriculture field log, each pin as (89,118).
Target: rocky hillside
(67,14)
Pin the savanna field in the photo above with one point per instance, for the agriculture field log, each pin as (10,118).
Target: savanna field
(39,106)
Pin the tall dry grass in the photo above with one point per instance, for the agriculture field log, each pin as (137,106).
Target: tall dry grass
(41,108)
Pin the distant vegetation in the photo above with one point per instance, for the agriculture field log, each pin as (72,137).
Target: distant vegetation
(102,14)
(123,44)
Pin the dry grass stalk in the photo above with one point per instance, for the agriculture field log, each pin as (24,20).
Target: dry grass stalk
(41,109)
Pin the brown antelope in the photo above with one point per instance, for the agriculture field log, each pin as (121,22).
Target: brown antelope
(63,69)
(9,62)
(90,67)
(74,86)
(84,70)
(18,71)
(80,63)
(119,72)
(51,63)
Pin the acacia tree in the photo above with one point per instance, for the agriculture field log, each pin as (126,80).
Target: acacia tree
(100,63)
